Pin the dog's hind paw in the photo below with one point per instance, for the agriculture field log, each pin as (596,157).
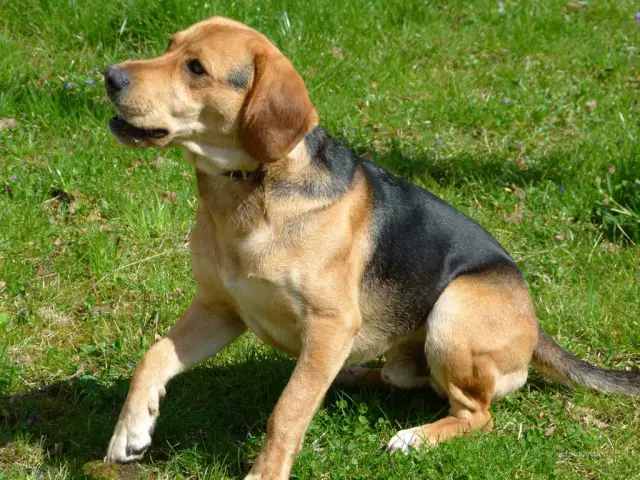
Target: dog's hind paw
(403,440)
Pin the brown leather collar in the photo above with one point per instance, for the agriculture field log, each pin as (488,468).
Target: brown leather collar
(244,175)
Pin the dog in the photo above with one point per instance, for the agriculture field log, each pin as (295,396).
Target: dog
(321,254)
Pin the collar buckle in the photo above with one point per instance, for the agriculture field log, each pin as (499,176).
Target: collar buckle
(245,175)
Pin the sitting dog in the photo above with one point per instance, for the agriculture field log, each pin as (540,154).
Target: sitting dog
(322,254)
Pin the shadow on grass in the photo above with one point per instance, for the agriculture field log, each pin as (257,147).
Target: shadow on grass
(210,411)
(209,406)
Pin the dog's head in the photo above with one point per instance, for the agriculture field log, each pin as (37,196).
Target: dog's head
(221,90)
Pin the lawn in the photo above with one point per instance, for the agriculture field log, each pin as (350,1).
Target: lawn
(525,115)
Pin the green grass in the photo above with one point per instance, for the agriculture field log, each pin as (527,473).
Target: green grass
(526,117)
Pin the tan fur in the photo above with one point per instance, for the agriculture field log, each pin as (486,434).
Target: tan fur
(201,332)
(480,338)
(356,375)
(290,268)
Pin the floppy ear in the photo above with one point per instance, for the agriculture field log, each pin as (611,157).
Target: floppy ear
(277,112)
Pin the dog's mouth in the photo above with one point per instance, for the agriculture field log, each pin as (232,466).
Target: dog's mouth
(122,128)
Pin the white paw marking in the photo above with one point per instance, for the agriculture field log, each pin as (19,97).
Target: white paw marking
(132,435)
(403,440)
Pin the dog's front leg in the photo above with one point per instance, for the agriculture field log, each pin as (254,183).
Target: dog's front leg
(326,346)
(201,332)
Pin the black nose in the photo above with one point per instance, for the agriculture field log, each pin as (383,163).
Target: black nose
(115,78)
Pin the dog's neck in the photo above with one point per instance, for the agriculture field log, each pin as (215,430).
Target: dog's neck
(218,160)
(312,176)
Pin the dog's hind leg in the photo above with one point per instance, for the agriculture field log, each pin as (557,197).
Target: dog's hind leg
(357,375)
(480,338)
(405,367)
(201,332)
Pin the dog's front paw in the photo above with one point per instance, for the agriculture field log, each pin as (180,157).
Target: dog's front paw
(129,441)
(260,476)
(132,435)
(263,471)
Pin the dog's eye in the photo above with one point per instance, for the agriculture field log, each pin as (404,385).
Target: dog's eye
(196,67)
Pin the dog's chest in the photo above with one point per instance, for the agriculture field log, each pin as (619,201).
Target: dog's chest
(268,306)
(264,288)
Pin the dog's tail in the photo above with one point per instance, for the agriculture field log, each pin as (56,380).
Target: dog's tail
(554,361)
